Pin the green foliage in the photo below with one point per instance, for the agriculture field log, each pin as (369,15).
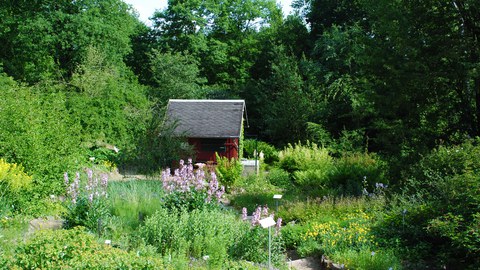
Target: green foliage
(159,147)
(228,171)
(52,37)
(38,133)
(305,157)
(90,214)
(269,152)
(292,235)
(174,76)
(13,180)
(197,233)
(366,258)
(134,200)
(437,217)
(254,191)
(221,36)
(279,178)
(356,171)
(86,207)
(108,102)
(74,249)
(253,246)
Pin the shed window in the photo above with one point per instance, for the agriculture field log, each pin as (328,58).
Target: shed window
(213,145)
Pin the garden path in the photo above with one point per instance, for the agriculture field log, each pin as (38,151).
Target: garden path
(309,263)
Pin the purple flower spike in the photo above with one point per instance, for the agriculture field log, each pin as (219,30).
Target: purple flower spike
(244,213)
(278,226)
(265,211)
(256,216)
(65,178)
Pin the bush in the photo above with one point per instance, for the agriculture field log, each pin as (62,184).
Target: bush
(13,181)
(437,216)
(312,182)
(86,207)
(366,258)
(305,157)
(355,172)
(38,132)
(279,178)
(270,154)
(229,171)
(74,249)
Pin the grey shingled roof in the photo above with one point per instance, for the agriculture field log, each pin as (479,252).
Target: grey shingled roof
(206,118)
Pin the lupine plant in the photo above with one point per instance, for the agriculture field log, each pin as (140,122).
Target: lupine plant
(86,206)
(190,189)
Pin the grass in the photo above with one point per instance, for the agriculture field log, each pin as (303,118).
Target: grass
(12,230)
(366,259)
(132,201)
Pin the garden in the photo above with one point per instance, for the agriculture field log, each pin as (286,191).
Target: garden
(363,115)
(338,208)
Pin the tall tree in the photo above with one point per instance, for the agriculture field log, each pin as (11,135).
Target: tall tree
(47,39)
(221,35)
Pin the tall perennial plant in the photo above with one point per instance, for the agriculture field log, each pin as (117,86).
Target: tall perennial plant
(190,189)
(86,206)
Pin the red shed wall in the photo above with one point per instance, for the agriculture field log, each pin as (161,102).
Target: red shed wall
(205,148)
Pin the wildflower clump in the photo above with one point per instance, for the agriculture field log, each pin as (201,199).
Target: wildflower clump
(190,189)
(13,178)
(86,202)
(352,231)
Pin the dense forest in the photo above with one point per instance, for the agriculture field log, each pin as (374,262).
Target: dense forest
(396,78)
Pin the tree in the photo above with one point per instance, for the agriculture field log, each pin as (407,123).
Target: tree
(222,36)
(174,76)
(53,36)
(108,103)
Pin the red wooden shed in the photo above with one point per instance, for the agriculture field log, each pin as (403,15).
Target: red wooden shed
(210,125)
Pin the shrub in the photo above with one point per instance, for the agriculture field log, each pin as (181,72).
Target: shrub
(366,258)
(312,182)
(269,152)
(356,171)
(253,245)
(305,157)
(13,181)
(74,249)
(279,178)
(438,214)
(349,232)
(38,132)
(229,171)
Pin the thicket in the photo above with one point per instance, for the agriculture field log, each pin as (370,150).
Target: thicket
(437,214)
